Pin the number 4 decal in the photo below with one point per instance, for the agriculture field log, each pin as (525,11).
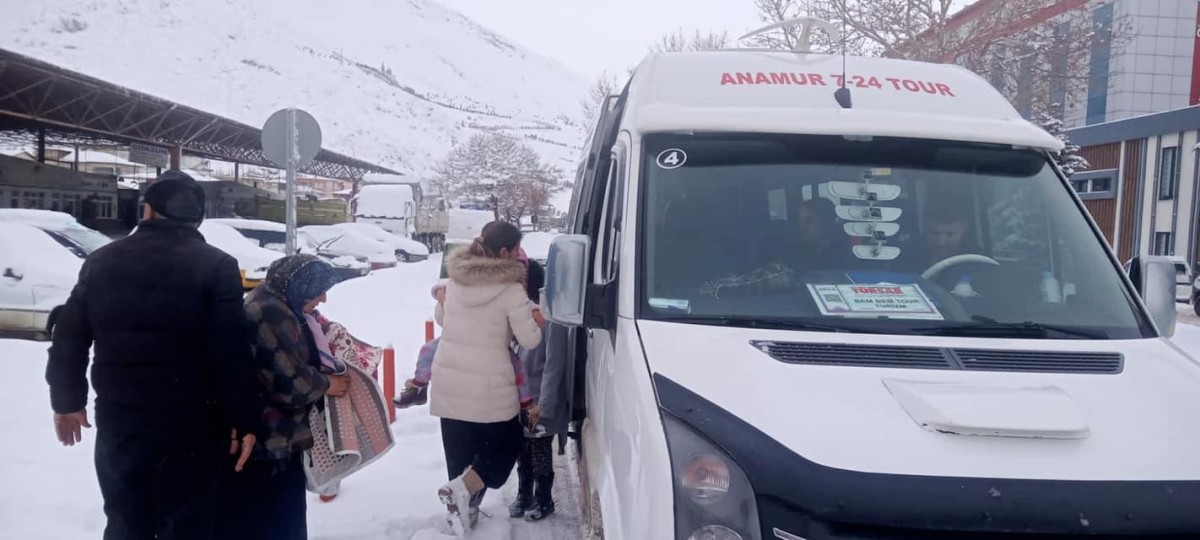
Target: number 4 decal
(672,158)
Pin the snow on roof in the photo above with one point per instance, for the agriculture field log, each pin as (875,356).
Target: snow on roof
(200,176)
(380,178)
(785,92)
(97,156)
(384,201)
(250,224)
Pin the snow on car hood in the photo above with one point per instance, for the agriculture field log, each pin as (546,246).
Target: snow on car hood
(250,257)
(1137,425)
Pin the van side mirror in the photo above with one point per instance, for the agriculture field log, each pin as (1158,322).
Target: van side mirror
(567,279)
(1154,279)
(14,274)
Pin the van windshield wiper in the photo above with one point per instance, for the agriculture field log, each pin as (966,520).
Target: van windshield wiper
(749,322)
(987,327)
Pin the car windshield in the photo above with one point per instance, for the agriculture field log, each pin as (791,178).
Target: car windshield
(264,238)
(86,239)
(886,235)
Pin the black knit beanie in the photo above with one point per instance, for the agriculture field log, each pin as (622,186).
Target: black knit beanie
(176,196)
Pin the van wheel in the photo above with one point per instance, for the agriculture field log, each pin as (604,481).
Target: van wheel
(1196,305)
(404,257)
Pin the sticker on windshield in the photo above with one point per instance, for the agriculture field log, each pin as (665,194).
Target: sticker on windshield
(672,158)
(881,300)
(670,303)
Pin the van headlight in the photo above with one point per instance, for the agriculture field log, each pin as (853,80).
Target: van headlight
(713,497)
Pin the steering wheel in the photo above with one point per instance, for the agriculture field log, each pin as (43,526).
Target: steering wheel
(956,260)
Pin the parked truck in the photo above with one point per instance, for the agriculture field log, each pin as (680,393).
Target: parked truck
(406,206)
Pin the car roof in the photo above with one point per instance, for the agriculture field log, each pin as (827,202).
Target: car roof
(786,92)
(250,224)
(39,218)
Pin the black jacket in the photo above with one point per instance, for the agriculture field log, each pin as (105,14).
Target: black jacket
(535,279)
(164,312)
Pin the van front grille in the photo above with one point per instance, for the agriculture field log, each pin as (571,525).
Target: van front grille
(874,356)
(826,354)
(1039,362)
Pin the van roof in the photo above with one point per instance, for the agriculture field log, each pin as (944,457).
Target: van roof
(785,92)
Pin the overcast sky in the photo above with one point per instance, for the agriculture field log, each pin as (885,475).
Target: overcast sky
(608,35)
(593,36)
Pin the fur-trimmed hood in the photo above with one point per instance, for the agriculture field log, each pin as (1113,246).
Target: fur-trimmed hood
(481,278)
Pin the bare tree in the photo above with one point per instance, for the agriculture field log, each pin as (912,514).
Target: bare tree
(699,41)
(1029,58)
(605,85)
(499,173)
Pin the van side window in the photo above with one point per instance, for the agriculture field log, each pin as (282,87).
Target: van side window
(609,254)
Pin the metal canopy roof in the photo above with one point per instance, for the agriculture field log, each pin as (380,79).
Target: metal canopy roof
(36,96)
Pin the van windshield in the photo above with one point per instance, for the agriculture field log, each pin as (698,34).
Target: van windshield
(879,236)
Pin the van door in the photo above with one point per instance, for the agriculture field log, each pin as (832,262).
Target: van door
(605,435)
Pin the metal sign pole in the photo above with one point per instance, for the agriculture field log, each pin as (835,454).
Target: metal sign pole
(291,138)
(290,210)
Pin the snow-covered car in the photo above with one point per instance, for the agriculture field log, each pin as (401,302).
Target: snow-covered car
(253,260)
(273,236)
(345,242)
(36,276)
(406,249)
(62,227)
(537,245)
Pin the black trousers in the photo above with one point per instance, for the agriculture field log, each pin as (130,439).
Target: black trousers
(535,469)
(158,479)
(266,501)
(490,449)
(537,458)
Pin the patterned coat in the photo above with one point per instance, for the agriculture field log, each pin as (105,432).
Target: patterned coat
(288,368)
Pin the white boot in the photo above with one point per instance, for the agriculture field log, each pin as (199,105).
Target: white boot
(457,498)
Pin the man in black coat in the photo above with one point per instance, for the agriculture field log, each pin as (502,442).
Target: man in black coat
(172,371)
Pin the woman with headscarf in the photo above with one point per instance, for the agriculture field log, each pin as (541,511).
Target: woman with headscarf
(267,501)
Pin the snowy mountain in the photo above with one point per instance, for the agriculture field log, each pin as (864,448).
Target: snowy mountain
(395,82)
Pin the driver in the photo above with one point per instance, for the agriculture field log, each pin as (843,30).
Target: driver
(947,234)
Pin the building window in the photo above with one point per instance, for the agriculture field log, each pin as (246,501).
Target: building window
(1168,173)
(1059,65)
(1095,184)
(104,207)
(1101,51)
(35,200)
(1162,244)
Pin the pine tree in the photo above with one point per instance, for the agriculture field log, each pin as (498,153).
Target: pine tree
(1068,159)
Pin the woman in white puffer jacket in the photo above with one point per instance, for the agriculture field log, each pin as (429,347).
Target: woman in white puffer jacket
(475,390)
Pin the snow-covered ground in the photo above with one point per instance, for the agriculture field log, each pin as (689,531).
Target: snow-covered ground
(50,492)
